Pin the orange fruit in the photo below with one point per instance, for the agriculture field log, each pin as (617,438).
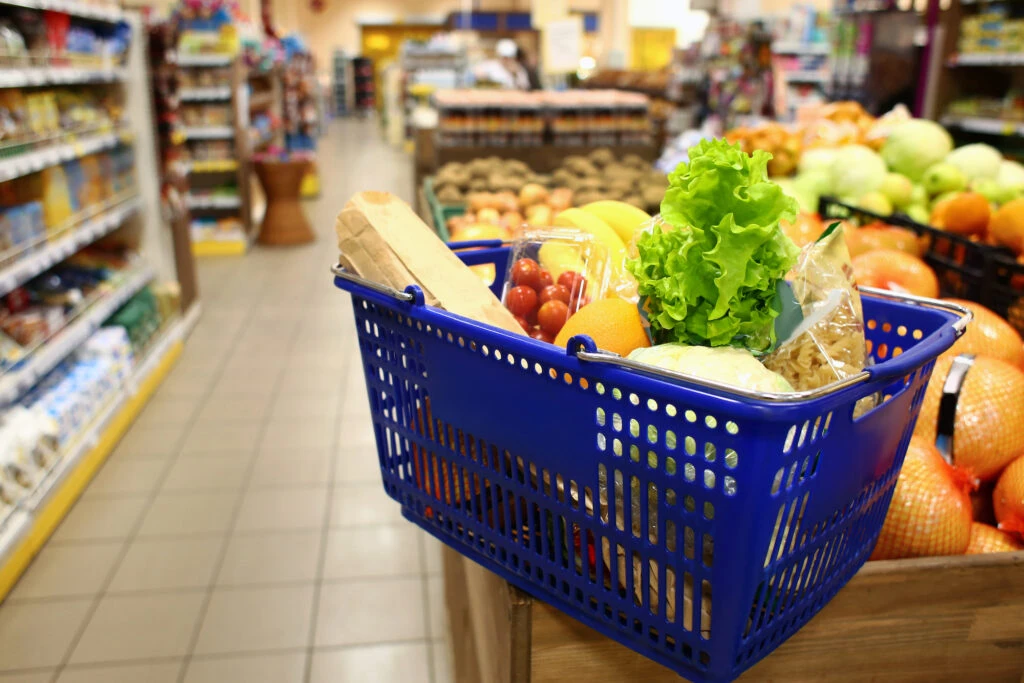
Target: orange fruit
(937,219)
(989,335)
(897,271)
(1008,498)
(988,539)
(804,230)
(1007,225)
(881,236)
(614,324)
(966,214)
(930,512)
(987,434)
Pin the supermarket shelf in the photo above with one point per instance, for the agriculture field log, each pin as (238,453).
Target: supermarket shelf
(214,166)
(208,132)
(234,247)
(225,202)
(75,9)
(15,382)
(796,48)
(807,76)
(212,93)
(978,124)
(989,59)
(57,75)
(37,160)
(205,60)
(81,235)
(30,527)
(261,100)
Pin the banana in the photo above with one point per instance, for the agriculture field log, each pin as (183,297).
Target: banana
(558,258)
(625,219)
(596,272)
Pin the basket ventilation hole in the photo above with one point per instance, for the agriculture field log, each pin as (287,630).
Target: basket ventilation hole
(872,324)
(883,351)
(902,330)
(634,428)
(729,485)
(887,327)
(788,446)
(600,388)
(600,417)
(670,410)
(710,453)
(652,434)
(652,460)
(617,394)
(777,482)
(620,516)
(616,422)
(803,434)
(602,484)
(652,513)
(690,416)
(732,427)
(918,334)
(670,440)
(710,421)
(709,479)
(537,369)
(602,443)
(828,421)
(634,399)
(732,459)
(634,453)
(670,466)
(652,405)
(690,444)
(689,503)
(617,447)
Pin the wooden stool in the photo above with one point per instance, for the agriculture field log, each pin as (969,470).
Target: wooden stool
(284,222)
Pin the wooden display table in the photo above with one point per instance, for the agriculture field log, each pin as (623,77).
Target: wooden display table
(932,620)
(284,222)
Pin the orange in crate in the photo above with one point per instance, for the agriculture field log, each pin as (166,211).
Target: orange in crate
(988,539)
(1008,497)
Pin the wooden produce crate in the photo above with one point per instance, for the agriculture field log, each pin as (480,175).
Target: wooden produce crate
(932,620)
(542,158)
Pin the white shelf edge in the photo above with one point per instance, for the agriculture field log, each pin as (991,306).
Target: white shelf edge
(36,160)
(980,124)
(57,75)
(785,47)
(990,59)
(52,253)
(209,132)
(75,9)
(13,529)
(204,60)
(205,94)
(17,382)
(807,77)
(213,202)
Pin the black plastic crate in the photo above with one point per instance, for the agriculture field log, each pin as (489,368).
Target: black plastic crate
(966,269)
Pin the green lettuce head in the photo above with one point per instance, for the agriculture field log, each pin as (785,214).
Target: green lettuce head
(712,275)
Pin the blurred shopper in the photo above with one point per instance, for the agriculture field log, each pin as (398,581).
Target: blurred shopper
(504,71)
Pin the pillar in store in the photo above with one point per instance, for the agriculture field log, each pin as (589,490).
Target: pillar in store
(613,29)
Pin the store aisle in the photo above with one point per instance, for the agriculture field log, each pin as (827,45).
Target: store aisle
(240,531)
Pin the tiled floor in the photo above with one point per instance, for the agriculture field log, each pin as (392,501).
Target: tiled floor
(240,531)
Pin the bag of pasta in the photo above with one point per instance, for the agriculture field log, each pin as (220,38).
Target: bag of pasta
(829,344)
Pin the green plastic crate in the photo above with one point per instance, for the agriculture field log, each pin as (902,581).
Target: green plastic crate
(441,212)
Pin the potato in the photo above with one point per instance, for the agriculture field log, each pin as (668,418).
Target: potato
(531,194)
(480,200)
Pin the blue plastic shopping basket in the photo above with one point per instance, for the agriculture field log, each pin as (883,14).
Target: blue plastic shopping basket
(696,525)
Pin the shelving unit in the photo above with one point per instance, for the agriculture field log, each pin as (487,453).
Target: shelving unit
(132,204)
(364,85)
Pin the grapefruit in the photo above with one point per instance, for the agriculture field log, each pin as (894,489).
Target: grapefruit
(966,214)
(896,271)
(1007,225)
(930,512)
(614,324)
(881,236)
(987,434)
(988,539)
(989,335)
(804,230)
(1008,498)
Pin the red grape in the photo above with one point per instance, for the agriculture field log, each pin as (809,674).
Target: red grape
(526,273)
(521,300)
(574,282)
(552,316)
(557,292)
(527,327)
(543,336)
(545,278)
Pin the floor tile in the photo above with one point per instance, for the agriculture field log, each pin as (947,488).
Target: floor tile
(366,552)
(442,661)
(222,437)
(208,472)
(282,509)
(437,607)
(77,569)
(291,406)
(362,505)
(275,557)
(357,466)
(163,564)
(304,467)
(38,634)
(43,676)
(133,627)
(150,442)
(311,381)
(432,552)
(157,672)
(238,408)
(399,663)
(127,475)
(94,519)
(298,433)
(370,612)
(251,620)
(183,514)
(168,411)
(273,668)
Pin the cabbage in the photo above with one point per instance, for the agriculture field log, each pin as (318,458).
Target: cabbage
(804,196)
(856,170)
(724,364)
(1011,176)
(976,161)
(914,145)
(818,159)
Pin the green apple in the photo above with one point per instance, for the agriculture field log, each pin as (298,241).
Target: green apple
(942,178)
(918,195)
(875,202)
(897,188)
(918,213)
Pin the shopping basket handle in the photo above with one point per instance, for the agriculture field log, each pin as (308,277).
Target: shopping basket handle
(411,294)
(475,244)
(918,354)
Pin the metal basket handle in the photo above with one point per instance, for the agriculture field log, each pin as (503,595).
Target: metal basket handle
(339,271)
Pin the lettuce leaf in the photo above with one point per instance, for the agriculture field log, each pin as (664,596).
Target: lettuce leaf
(709,277)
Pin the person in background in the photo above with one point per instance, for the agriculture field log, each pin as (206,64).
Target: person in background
(529,66)
(504,71)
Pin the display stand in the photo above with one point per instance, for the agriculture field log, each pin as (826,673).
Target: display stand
(901,621)
(284,223)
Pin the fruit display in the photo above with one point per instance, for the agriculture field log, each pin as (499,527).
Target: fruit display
(784,144)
